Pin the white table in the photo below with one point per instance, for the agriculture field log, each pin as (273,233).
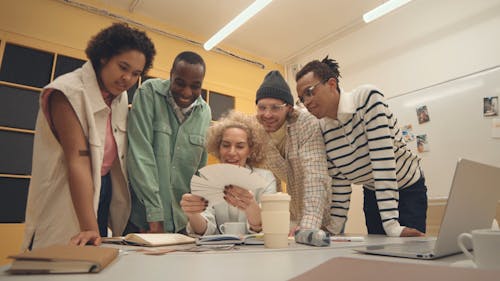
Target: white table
(254,263)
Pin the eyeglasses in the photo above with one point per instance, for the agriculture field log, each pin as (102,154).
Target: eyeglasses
(309,91)
(273,108)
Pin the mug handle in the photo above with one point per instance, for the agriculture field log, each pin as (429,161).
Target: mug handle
(222,229)
(461,238)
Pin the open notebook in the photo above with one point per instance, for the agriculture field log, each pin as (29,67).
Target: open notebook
(151,239)
(472,202)
(222,239)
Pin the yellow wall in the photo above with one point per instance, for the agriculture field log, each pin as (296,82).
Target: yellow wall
(57,27)
(11,239)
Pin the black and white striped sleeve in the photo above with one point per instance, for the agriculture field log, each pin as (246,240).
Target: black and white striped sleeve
(378,126)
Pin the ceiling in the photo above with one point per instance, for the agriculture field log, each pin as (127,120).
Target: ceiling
(281,31)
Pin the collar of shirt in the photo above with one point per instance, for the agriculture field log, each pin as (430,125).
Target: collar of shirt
(108,97)
(180,113)
(347,107)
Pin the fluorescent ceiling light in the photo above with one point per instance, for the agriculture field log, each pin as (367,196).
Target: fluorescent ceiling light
(249,12)
(383,9)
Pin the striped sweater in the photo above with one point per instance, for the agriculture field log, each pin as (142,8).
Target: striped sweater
(365,146)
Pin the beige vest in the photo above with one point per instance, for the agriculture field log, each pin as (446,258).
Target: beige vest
(50,215)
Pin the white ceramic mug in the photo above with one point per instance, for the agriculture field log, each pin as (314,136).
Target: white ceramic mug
(486,246)
(275,219)
(233,228)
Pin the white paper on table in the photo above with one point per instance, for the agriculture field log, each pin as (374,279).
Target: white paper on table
(213,178)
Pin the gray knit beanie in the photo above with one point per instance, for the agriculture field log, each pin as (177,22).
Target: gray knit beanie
(274,86)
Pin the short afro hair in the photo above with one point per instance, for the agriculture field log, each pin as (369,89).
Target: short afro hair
(116,39)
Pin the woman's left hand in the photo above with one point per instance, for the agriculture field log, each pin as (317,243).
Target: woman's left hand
(239,197)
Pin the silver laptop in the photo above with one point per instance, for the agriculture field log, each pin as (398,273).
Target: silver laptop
(471,204)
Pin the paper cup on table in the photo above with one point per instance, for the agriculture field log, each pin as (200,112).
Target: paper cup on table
(275,219)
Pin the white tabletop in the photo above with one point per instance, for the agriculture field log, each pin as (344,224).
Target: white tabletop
(242,263)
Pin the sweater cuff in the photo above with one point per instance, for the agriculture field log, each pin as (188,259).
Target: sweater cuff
(393,228)
(154,214)
(310,222)
(211,229)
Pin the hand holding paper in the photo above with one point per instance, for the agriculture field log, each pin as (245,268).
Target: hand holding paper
(239,197)
(193,204)
(213,178)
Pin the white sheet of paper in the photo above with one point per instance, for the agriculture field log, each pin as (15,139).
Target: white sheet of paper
(213,178)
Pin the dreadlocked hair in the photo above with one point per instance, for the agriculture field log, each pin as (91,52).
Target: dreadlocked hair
(333,65)
(324,70)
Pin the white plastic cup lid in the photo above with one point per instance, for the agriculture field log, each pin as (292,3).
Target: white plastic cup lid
(279,196)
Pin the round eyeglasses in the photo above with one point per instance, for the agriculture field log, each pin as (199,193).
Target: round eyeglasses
(273,108)
(309,91)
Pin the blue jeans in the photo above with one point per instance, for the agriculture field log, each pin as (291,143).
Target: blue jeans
(104,201)
(412,208)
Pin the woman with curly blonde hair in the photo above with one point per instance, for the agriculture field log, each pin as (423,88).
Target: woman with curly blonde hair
(235,139)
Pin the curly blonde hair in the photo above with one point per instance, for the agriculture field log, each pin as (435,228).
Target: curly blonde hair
(247,123)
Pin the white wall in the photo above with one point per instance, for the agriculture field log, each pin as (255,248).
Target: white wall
(421,44)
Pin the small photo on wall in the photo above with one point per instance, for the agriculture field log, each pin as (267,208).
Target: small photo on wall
(423,114)
(490,106)
(422,143)
(408,135)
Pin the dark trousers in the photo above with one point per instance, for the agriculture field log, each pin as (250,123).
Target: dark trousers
(412,208)
(104,202)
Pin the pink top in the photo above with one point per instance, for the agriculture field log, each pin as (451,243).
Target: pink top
(110,148)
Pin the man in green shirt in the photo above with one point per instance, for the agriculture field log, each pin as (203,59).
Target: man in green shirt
(166,133)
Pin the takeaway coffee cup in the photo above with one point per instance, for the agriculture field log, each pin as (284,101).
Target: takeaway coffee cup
(234,228)
(486,246)
(275,219)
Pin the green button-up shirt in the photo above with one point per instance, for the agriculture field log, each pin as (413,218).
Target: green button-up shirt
(163,155)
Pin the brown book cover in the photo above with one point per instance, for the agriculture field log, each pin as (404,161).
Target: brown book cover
(351,269)
(63,259)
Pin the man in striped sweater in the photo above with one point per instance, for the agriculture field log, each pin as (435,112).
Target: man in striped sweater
(364,146)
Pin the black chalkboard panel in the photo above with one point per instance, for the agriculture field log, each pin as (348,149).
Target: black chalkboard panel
(220,104)
(13,198)
(204,94)
(131,92)
(16,150)
(66,64)
(26,66)
(18,107)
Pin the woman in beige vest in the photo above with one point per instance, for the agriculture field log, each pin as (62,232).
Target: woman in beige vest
(79,183)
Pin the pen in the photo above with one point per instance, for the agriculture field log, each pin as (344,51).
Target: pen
(346,239)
